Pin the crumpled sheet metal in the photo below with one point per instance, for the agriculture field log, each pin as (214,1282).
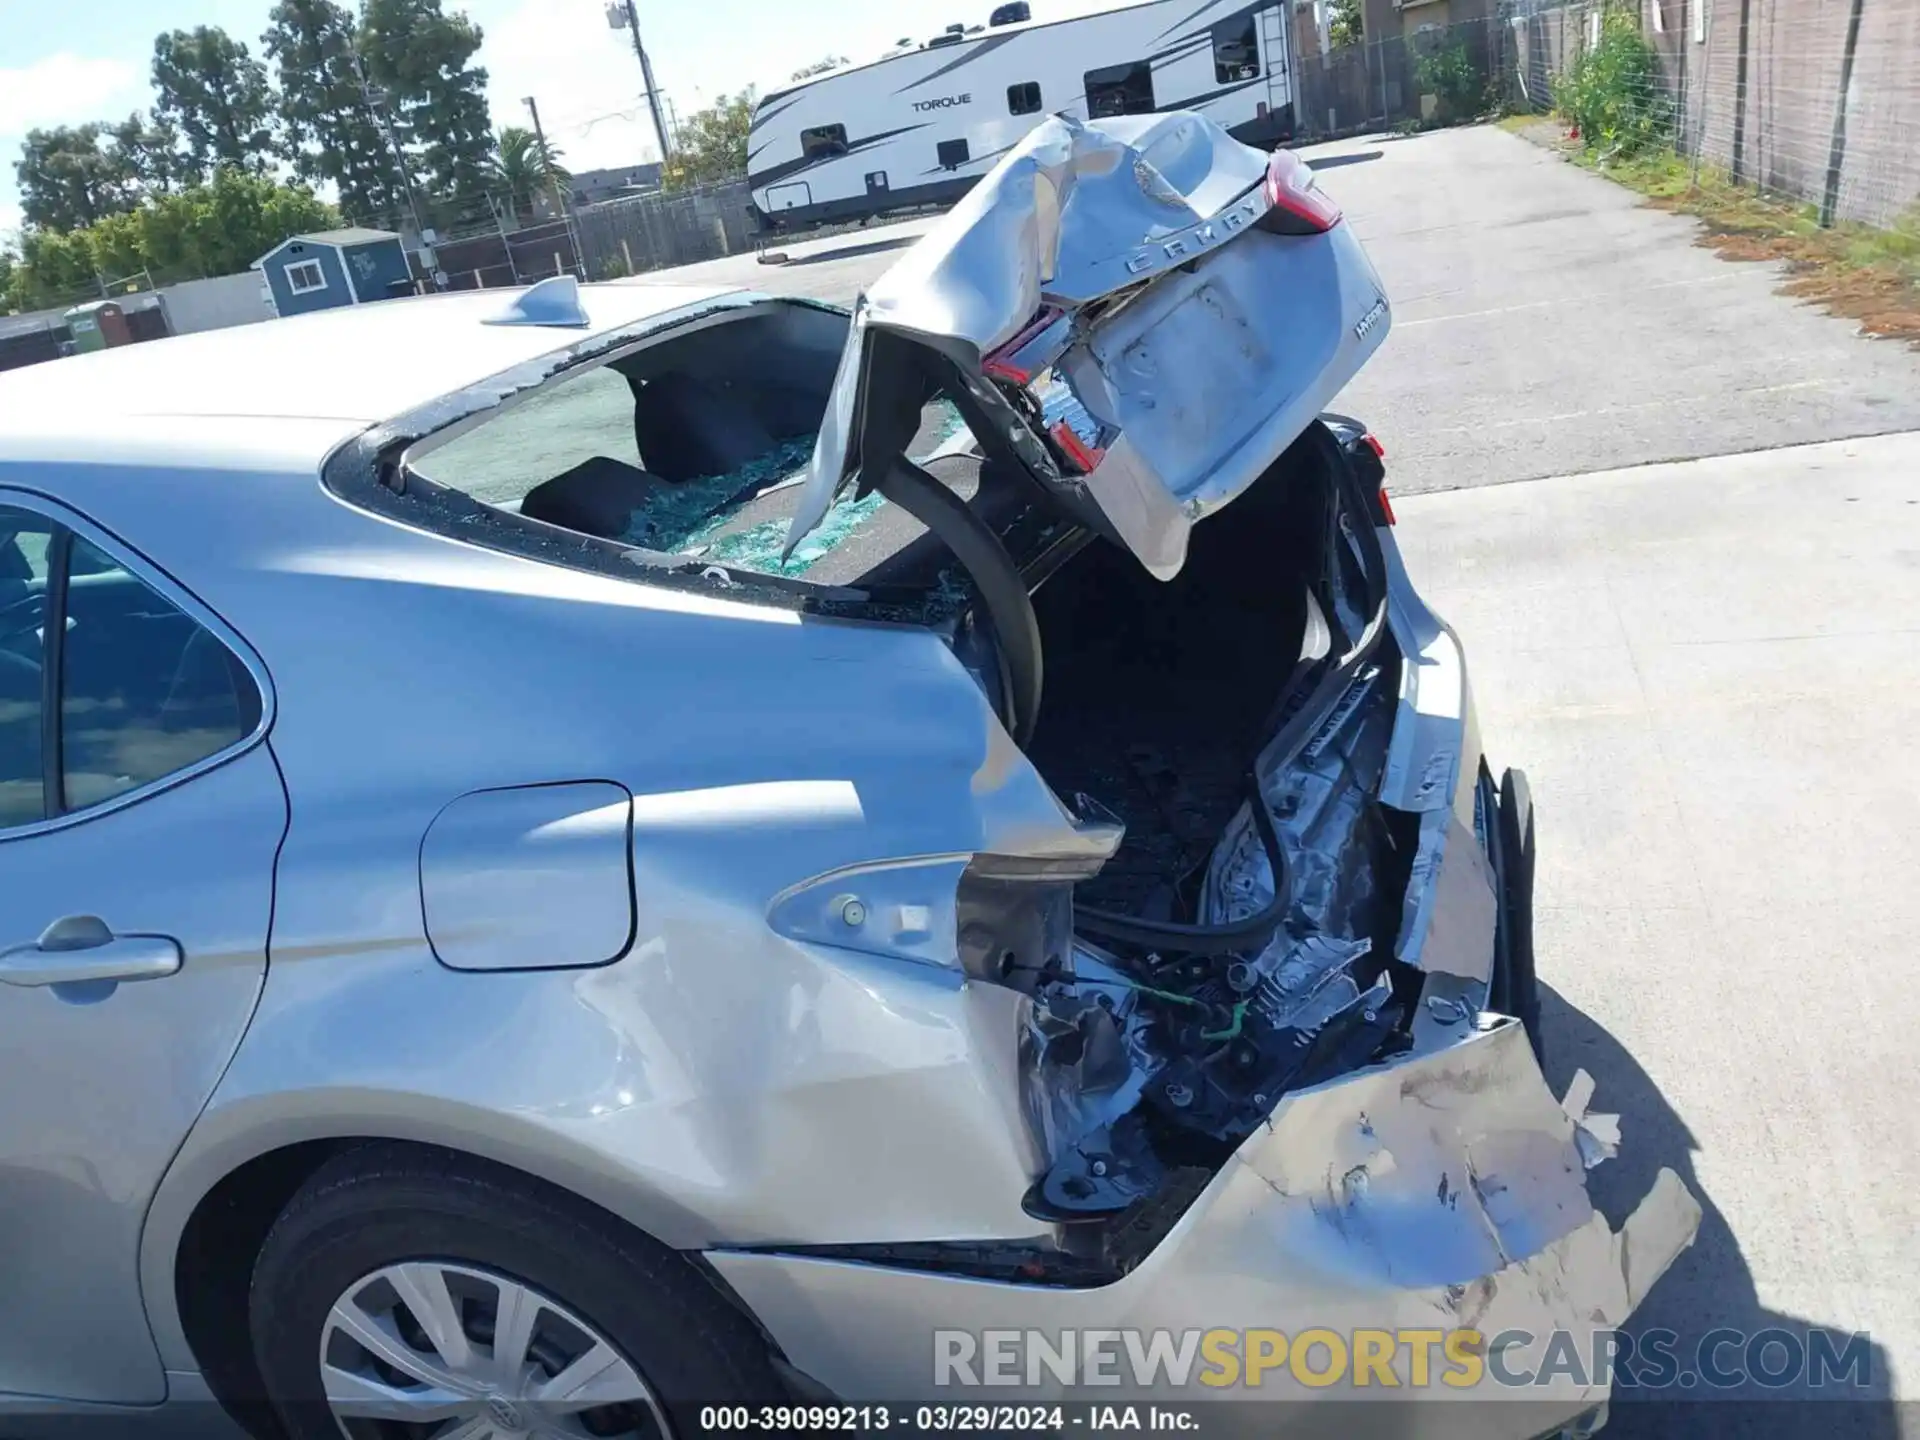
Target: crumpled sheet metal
(1058,219)
(1445,1190)
(1073,212)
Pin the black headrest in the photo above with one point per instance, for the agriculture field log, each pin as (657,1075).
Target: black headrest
(687,427)
(596,497)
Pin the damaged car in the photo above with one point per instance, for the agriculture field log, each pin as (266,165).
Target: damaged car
(634,848)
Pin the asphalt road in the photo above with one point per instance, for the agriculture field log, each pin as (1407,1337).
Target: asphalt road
(1708,672)
(1545,323)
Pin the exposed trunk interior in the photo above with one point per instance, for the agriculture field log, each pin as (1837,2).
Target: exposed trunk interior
(1159,695)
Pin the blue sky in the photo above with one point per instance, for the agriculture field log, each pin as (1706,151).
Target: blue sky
(67,61)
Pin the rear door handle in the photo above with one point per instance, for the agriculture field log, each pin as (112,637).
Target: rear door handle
(80,948)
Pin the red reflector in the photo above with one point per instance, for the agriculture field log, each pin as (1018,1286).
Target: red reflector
(1386,507)
(1372,442)
(1007,363)
(1290,188)
(1077,450)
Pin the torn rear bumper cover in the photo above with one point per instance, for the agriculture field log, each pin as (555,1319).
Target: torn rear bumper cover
(1440,1192)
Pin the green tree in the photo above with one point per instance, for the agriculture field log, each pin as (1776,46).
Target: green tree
(328,131)
(421,56)
(1457,84)
(9,267)
(1344,23)
(55,268)
(69,179)
(219,228)
(208,86)
(712,144)
(150,151)
(232,222)
(518,169)
(115,247)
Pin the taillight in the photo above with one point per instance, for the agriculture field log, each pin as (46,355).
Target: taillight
(1372,442)
(1297,205)
(1386,506)
(1033,349)
(1086,456)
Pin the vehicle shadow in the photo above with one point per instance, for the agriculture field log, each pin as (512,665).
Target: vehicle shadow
(1332,162)
(850,252)
(1710,1286)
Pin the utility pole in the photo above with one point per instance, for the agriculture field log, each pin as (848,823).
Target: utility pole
(376,99)
(560,210)
(628,10)
(546,159)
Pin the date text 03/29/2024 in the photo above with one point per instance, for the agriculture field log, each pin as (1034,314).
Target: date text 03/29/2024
(938,1419)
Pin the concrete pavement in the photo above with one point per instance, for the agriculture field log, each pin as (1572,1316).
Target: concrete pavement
(1709,671)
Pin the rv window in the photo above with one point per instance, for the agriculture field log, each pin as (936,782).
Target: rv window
(1024,98)
(1120,90)
(1236,54)
(952,154)
(822,141)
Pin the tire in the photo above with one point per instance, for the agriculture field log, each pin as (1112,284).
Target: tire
(380,1205)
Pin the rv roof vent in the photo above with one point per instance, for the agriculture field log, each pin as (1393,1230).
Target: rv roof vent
(956,29)
(1016,13)
(950,38)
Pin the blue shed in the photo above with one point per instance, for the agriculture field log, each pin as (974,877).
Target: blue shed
(335,267)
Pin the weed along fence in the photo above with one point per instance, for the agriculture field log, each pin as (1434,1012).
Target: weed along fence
(1815,102)
(650,232)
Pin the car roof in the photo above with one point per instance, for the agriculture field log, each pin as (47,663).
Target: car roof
(336,371)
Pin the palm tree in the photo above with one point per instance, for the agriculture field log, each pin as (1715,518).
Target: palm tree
(518,168)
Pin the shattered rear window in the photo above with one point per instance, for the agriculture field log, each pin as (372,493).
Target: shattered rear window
(735,518)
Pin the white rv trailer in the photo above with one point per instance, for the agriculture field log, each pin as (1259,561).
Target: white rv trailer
(920,126)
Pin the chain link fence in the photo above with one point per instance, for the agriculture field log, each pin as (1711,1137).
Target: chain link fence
(1437,75)
(1815,101)
(627,236)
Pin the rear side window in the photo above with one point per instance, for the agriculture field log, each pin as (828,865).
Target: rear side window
(138,690)
(821,141)
(1236,53)
(584,417)
(1024,98)
(1120,90)
(145,690)
(24,541)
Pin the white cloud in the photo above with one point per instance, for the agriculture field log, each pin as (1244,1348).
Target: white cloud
(67,89)
(583,73)
(61,89)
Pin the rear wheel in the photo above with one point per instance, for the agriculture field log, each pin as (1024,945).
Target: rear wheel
(410,1294)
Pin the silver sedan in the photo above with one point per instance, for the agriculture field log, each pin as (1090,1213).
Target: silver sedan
(574,858)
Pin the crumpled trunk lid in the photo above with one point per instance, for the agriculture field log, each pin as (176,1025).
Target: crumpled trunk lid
(1124,289)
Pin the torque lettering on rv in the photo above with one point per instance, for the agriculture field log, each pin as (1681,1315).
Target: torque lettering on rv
(943,102)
